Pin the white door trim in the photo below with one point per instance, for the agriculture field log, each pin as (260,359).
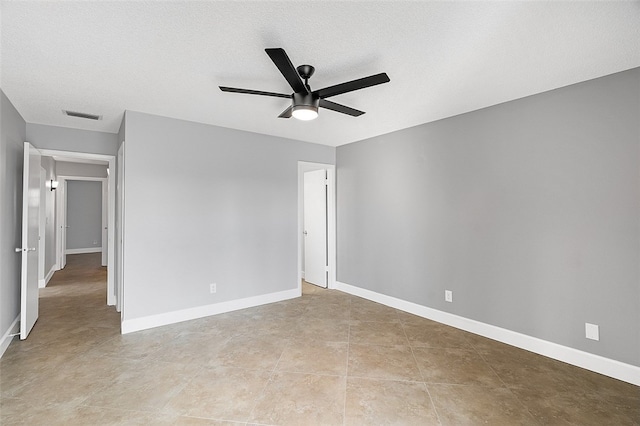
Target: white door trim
(60,221)
(42,229)
(120,178)
(111,213)
(304,166)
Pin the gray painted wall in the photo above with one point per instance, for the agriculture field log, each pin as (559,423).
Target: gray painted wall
(12,136)
(65,168)
(65,139)
(208,204)
(527,210)
(84,214)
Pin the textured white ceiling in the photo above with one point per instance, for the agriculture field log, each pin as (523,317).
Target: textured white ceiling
(168,58)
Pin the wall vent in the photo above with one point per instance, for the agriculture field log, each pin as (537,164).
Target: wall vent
(82,115)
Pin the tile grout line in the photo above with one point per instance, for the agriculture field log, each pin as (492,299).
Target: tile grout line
(264,388)
(435,410)
(346,374)
(184,386)
(504,384)
(271,375)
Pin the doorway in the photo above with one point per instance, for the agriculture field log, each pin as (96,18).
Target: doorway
(109,194)
(320,183)
(84,211)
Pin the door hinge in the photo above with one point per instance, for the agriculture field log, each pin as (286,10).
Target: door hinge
(326,182)
(326,268)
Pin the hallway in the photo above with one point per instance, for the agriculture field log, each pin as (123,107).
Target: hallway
(326,358)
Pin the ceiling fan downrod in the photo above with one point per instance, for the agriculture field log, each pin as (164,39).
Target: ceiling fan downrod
(306,71)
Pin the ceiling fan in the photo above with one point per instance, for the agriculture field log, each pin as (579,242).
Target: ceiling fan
(304,101)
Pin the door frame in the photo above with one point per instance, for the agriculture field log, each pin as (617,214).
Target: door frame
(60,224)
(42,230)
(305,166)
(63,179)
(111,216)
(120,209)
(315,230)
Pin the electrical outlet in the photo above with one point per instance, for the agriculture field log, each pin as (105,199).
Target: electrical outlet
(448,296)
(213,288)
(592,331)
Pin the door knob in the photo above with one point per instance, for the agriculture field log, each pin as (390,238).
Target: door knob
(305,232)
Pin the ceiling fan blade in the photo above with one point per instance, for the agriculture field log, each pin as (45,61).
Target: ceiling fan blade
(340,108)
(350,86)
(282,61)
(253,92)
(286,113)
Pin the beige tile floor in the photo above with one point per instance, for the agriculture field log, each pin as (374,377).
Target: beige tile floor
(326,358)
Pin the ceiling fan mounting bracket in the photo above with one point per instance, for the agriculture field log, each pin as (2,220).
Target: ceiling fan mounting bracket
(305,71)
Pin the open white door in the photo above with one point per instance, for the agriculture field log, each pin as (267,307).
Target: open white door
(29,249)
(64,226)
(105,236)
(315,227)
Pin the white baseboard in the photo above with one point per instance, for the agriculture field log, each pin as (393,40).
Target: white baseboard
(138,324)
(43,283)
(84,250)
(609,367)
(52,271)
(6,338)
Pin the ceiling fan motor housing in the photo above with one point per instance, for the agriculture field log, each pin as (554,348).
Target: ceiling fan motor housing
(308,100)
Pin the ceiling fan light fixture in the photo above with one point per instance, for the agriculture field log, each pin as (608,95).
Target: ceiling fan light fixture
(305,106)
(305,112)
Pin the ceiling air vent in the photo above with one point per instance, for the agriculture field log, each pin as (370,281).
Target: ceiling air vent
(82,115)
